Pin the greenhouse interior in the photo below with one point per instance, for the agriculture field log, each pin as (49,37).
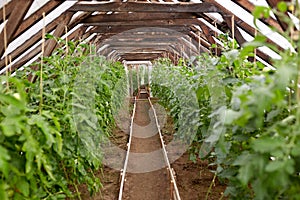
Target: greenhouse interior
(150,99)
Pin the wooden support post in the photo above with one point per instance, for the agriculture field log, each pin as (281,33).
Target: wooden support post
(232,30)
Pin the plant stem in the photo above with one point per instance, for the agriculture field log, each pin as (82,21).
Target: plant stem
(210,187)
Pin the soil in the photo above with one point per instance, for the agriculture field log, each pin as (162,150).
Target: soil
(193,179)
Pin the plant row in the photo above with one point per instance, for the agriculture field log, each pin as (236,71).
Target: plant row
(49,143)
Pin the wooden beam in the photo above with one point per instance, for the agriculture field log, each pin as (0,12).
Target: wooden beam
(8,9)
(125,17)
(250,7)
(241,40)
(60,29)
(204,45)
(170,47)
(144,7)
(36,16)
(142,56)
(273,4)
(119,29)
(139,35)
(79,19)
(76,34)
(209,33)
(154,23)
(14,21)
(246,27)
(32,40)
(49,44)
(139,44)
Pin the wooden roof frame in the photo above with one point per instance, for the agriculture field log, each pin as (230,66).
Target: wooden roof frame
(103,19)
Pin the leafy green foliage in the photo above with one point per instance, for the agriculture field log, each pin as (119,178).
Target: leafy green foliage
(249,125)
(42,153)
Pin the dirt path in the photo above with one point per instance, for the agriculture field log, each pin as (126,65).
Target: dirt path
(193,179)
(150,185)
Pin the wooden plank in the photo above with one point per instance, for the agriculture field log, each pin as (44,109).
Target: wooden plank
(36,16)
(125,17)
(209,33)
(49,44)
(79,19)
(8,9)
(31,41)
(119,29)
(145,7)
(60,29)
(273,4)
(171,48)
(138,45)
(241,40)
(14,21)
(243,25)
(248,6)
(76,34)
(158,22)
(204,45)
(131,57)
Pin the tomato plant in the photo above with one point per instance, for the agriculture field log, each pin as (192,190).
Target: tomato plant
(248,125)
(42,153)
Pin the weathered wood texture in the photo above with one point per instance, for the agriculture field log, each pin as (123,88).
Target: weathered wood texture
(15,19)
(145,7)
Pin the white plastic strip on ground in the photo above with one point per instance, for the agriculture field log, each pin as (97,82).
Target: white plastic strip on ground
(123,172)
(173,181)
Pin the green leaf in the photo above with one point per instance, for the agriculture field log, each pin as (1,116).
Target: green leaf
(296,149)
(275,165)
(267,145)
(49,36)
(23,186)
(3,192)
(4,158)
(261,11)
(231,116)
(246,172)
(282,7)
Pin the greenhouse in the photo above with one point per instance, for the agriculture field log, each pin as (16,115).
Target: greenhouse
(149,100)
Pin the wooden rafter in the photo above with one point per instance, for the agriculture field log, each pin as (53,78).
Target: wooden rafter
(36,16)
(123,28)
(60,29)
(144,7)
(241,40)
(79,19)
(243,25)
(77,33)
(49,45)
(140,56)
(203,45)
(15,19)
(8,9)
(209,33)
(273,4)
(250,7)
(125,17)
(157,22)
(34,39)
(173,48)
